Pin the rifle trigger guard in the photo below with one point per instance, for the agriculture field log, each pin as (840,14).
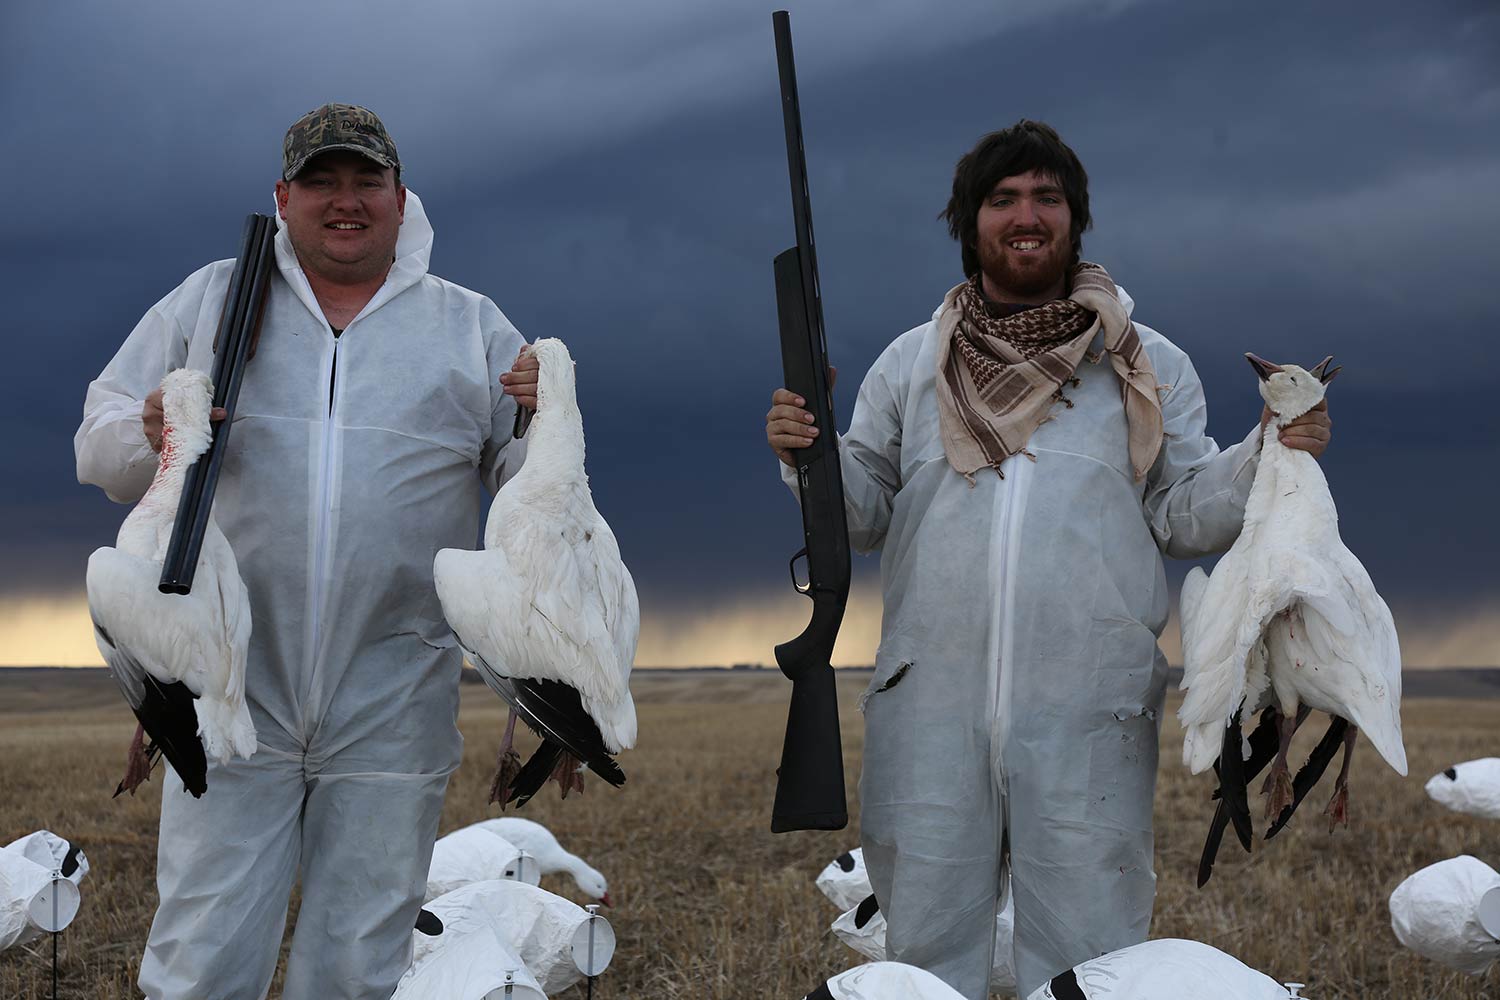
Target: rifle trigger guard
(801,588)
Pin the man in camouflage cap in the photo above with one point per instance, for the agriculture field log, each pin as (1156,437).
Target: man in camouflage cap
(374,397)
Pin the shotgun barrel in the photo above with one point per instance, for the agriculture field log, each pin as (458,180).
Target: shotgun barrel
(239,323)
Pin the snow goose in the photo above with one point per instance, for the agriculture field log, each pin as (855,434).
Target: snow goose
(1472,787)
(539,927)
(538,841)
(862,927)
(885,981)
(1288,620)
(844,881)
(547,611)
(1165,969)
(26,867)
(473,855)
(1450,912)
(178,659)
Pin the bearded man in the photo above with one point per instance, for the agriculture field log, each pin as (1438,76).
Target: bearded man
(1022,461)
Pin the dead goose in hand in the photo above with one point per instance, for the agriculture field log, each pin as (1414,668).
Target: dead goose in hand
(179,659)
(1288,622)
(547,611)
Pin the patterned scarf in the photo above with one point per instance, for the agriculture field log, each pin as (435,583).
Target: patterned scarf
(999,377)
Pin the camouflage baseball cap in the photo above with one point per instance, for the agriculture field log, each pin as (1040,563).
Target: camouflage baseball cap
(337,126)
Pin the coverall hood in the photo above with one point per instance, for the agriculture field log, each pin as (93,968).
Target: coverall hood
(413,255)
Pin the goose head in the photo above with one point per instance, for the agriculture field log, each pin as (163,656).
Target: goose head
(1289,390)
(591,883)
(556,389)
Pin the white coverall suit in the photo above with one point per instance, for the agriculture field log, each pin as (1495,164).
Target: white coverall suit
(1018,685)
(352,461)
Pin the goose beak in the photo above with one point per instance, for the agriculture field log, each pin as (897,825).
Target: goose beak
(605,900)
(1262,367)
(1322,372)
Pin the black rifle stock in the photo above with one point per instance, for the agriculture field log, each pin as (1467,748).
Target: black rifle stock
(234,343)
(810,781)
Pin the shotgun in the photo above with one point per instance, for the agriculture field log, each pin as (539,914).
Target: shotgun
(234,343)
(810,781)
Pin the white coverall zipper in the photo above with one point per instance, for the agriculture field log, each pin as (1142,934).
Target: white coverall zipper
(1010,504)
(324,507)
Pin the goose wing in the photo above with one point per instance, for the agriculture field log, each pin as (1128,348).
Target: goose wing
(481,597)
(1223,618)
(149,676)
(579,598)
(1345,658)
(171,637)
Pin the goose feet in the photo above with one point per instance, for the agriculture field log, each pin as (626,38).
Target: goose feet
(1278,790)
(1278,786)
(507,765)
(1338,806)
(137,763)
(568,774)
